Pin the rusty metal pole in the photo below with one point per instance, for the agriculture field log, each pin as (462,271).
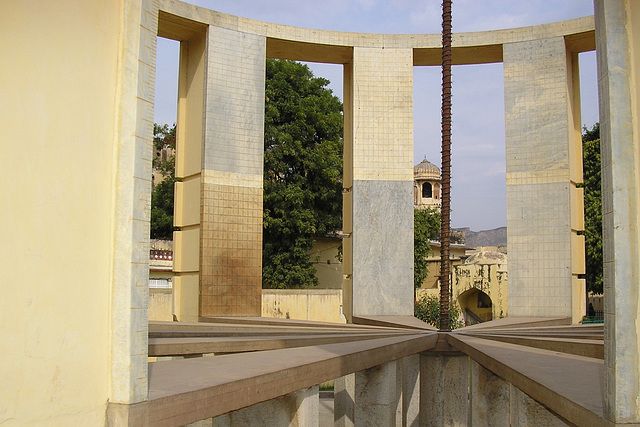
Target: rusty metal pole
(445,232)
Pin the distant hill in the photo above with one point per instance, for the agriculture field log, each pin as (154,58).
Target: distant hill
(495,237)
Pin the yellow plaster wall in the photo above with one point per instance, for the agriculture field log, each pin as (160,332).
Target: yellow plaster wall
(57,108)
(323,305)
(161,304)
(324,255)
(433,264)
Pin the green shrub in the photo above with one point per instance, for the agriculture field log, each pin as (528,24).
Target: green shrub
(427,309)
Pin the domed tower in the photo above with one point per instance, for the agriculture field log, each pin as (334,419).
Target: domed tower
(426,185)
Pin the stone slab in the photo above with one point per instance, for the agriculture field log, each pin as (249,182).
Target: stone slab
(188,390)
(410,322)
(570,386)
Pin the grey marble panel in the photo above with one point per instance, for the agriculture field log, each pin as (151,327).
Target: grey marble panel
(382,248)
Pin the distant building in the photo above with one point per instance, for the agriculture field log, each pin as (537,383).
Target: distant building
(426,185)
(478,277)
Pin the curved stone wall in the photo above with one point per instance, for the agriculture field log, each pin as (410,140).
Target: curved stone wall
(542,144)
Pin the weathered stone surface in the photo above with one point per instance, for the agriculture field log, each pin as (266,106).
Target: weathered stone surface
(382,248)
(344,391)
(443,390)
(616,32)
(524,411)
(377,396)
(489,397)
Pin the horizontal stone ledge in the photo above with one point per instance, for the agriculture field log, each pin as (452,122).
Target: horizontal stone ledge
(579,347)
(568,385)
(273,321)
(266,333)
(188,390)
(182,21)
(520,322)
(179,346)
(409,322)
(585,335)
(240,324)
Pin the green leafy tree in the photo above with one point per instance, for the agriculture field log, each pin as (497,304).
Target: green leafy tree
(162,210)
(427,309)
(162,195)
(426,226)
(592,207)
(164,137)
(302,171)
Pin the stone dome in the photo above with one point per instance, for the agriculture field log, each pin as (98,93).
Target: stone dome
(487,257)
(426,170)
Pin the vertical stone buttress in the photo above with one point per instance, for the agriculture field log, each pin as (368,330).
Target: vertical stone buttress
(544,158)
(617,39)
(378,182)
(218,249)
(443,390)
(232,165)
(189,142)
(130,291)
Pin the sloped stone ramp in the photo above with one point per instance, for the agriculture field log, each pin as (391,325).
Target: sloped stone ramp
(202,370)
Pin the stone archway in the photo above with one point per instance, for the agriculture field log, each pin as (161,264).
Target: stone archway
(476,306)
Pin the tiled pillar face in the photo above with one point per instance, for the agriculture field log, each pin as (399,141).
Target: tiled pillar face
(617,41)
(379,181)
(540,143)
(231,216)
(230,276)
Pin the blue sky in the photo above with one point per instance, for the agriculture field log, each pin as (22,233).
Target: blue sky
(478,152)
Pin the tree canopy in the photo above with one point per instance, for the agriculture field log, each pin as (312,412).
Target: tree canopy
(426,226)
(162,194)
(592,207)
(302,171)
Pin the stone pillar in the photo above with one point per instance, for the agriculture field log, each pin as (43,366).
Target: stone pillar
(187,194)
(377,396)
(524,411)
(410,390)
(130,287)
(495,402)
(378,180)
(443,390)
(299,408)
(618,55)
(544,158)
(344,391)
(232,165)
(489,398)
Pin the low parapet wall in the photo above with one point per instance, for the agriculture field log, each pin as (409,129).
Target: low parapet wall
(323,305)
